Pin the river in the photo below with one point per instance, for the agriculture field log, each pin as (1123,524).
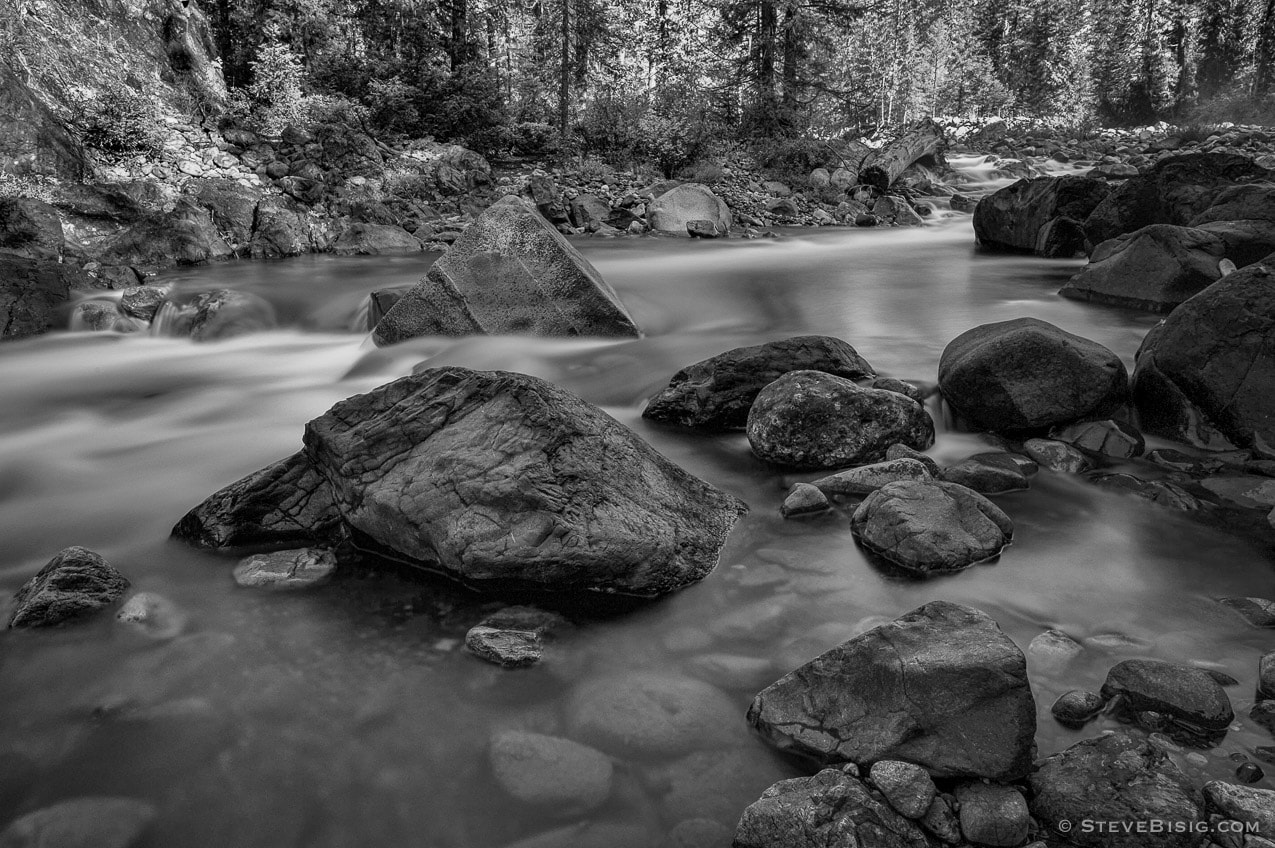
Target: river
(351,715)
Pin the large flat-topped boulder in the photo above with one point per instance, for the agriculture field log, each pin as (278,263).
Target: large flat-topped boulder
(941,687)
(494,478)
(1155,268)
(510,272)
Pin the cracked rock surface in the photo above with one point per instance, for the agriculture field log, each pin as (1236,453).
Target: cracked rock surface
(813,420)
(926,527)
(510,272)
(941,687)
(75,583)
(716,393)
(1204,375)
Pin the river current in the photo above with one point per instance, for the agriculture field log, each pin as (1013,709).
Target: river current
(351,715)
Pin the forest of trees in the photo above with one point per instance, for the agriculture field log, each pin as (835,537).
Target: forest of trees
(623,77)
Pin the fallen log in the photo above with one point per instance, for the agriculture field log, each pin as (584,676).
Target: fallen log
(921,142)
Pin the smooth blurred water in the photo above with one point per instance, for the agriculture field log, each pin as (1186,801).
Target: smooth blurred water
(351,715)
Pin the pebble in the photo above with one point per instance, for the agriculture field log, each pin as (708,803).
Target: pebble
(1077,707)
(103,822)
(285,570)
(804,499)
(514,637)
(152,615)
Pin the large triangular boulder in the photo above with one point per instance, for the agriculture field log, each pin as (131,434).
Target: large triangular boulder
(495,478)
(1155,268)
(509,272)
(1205,374)
(941,687)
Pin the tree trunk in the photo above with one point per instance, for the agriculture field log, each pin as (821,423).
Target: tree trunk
(792,58)
(767,30)
(923,139)
(564,76)
(1264,78)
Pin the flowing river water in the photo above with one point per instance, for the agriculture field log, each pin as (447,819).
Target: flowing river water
(351,715)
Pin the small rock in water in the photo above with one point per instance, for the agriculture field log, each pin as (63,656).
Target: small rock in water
(513,637)
(928,527)
(1105,438)
(1266,677)
(705,229)
(562,777)
(1180,693)
(907,787)
(296,569)
(904,452)
(1075,708)
(650,714)
(143,301)
(74,583)
(152,615)
(868,478)
(804,499)
(987,474)
(993,815)
(1053,650)
(81,823)
(901,387)
(1057,456)
(1263,714)
(1249,773)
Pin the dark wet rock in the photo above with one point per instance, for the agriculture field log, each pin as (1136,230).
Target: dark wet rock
(184,236)
(941,687)
(375,239)
(1250,773)
(77,582)
(556,775)
(896,210)
(1176,460)
(1241,491)
(379,302)
(588,211)
(868,478)
(905,452)
(1203,376)
(830,808)
(716,393)
(287,504)
(987,474)
(142,302)
(902,387)
(931,527)
(804,499)
(509,272)
(100,316)
(31,294)
(153,615)
(716,784)
(226,313)
(1114,439)
(1185,694)
(1158,492)
(1057,456)
(280,571)
(1173,191)
(813,420)
(648,714)
(1114,171)
(1041,215)
(1245,202)
(907,787)
(1244,242)
(279,230)
(98,822)
(1117,777)
(30,228)
(1266,677)
(1246,804)
(1077,707)
(704,230)
(675,208)
(1154,268)
(233,208)
(497,477)
(993,815)
(1259,612)
(1026,374)
(514,637)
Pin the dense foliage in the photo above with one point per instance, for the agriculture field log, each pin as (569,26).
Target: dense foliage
(665,80)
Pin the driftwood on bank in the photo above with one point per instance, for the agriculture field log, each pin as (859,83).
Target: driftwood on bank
(921,142)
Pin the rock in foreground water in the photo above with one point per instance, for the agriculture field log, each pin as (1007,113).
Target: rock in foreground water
(1155,268)
(1042,215)
(941,687)
(81,823)
(1186,694)
(716,393)
(513,637)
(562,777)
(813,420)
(1115,778)
(1026,374)
(510,272)
(647,714)
(928,527)
(286,570)
(1204,375)
(75,583)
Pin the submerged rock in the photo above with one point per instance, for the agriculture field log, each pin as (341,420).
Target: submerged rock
(1115,778)
(830,808)
(562,777)
(513,637)
(226,313)
(809,419)
(1185,694)
(1026,374)
(1204,375)
(153,615)
(509,272)
(647,714)
(928,527)
(286,570)
(941,687)
(716,393)
(75,583)
(82,822)
(1154,268)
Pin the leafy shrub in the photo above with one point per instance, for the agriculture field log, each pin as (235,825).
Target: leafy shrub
(275,91)
(393,105)
(609,126)
(119,120)
(531,137)
(334,109)
(703,172)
